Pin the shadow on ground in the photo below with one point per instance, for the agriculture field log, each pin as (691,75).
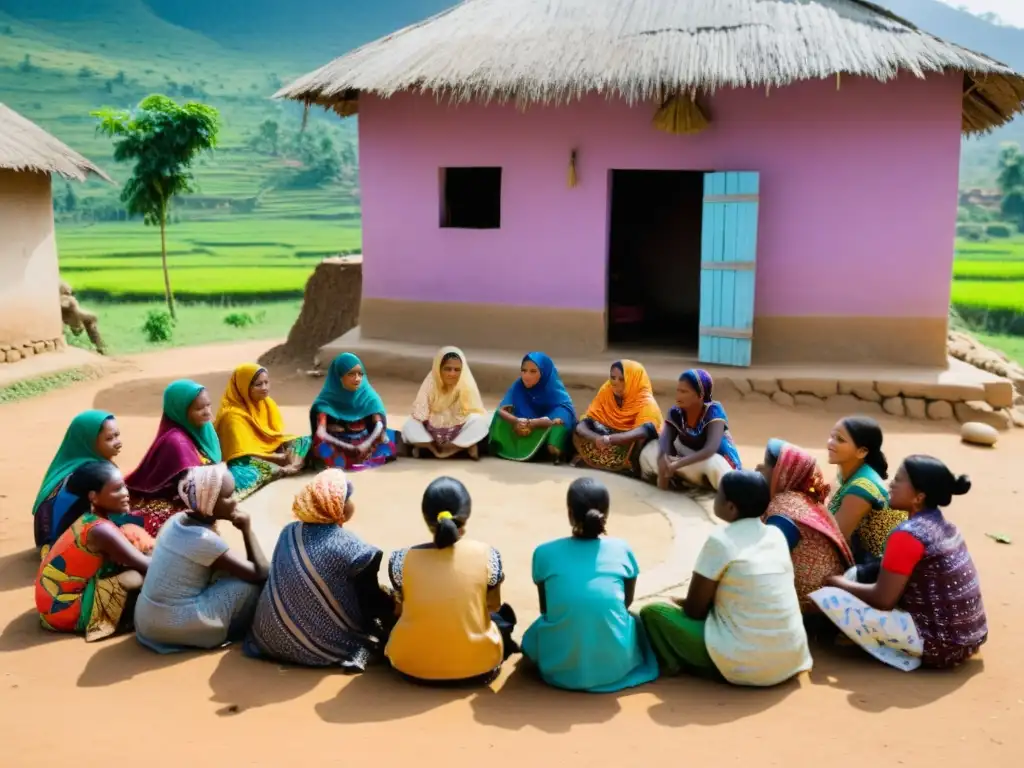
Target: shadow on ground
(18,569)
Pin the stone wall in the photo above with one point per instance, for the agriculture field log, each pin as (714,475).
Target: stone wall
(935,402)
(14,354)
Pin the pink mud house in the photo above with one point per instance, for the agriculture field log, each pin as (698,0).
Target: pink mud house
(757,180)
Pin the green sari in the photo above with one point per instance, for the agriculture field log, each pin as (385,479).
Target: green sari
(506,443)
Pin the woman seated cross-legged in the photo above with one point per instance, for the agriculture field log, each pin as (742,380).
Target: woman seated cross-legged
(622,421)
(925,609)
(585,638)
(322,605)
(200,593)
(536,417)
(349,421)
(89,578)
(185,439)
(448,416)
(251,431)
(695,444)
(741,617)
(452,626)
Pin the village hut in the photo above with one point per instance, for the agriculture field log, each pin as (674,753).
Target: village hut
(30,316)
(766,180)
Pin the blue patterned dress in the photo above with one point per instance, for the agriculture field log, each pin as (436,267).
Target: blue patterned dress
(322,605)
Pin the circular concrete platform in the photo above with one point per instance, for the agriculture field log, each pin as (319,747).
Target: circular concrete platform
(515,508)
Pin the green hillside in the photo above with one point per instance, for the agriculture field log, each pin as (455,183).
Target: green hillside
(259,200)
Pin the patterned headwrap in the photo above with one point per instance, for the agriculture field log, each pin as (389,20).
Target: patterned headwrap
(322,499)
(700,381)
(201,486)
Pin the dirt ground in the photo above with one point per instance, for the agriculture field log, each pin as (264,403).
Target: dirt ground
(221,708)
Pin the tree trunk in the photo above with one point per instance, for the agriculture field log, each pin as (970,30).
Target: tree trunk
(163,260)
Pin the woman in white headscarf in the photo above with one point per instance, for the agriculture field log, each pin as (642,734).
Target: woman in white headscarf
(448,415)
(204,594)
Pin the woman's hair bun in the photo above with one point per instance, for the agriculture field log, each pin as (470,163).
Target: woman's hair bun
(961,485)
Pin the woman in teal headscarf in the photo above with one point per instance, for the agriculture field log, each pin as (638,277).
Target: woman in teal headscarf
(348,420)
(185,439)
(91,436)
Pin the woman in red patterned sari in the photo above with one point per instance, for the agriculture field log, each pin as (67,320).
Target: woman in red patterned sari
(797,508)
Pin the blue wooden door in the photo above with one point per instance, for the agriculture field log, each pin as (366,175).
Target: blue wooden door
(727,269)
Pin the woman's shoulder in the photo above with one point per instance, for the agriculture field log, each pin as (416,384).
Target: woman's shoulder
(715,412)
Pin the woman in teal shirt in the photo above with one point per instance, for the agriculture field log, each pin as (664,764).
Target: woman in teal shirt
(585,638)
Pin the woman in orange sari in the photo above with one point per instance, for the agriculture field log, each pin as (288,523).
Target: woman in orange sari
(798,493)
(623,420)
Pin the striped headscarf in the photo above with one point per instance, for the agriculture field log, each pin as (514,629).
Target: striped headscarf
(201,486)
(700,381)
(322,500)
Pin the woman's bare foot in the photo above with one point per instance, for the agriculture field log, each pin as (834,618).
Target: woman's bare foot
(474,452)
(415,452)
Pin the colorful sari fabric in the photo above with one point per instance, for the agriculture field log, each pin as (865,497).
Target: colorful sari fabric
(447,421)
(77,589)
(250,432)
(868,540)
(76,449)
(547,398)
(607,415)
(350,416)
(799,491)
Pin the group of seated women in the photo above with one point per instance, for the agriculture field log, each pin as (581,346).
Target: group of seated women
(883,567)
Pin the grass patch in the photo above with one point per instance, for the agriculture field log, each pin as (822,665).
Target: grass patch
(989,294)
(989,269)
(1011,346)
(22,390)
(122,324)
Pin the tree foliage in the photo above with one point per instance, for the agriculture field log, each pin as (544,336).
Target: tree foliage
(1011,183)
(162,138)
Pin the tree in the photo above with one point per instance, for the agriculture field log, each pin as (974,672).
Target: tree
(163,139)
(269,137)
(70,199)
(1011,183)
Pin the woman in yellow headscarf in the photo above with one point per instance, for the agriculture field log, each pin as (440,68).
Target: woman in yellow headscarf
(448,415)
(251,431)
(621,420)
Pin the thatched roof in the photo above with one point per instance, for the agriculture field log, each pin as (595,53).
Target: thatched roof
(556,50)
(24,146)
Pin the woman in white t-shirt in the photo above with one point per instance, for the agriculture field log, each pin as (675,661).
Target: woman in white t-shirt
(741,617)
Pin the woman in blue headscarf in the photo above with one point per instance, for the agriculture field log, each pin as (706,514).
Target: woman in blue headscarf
(348,420)
(695,443)
(535,412)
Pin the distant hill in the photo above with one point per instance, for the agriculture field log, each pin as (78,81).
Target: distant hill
(59,59)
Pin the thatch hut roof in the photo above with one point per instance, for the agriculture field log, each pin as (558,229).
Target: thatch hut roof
(555,50)
(24,146)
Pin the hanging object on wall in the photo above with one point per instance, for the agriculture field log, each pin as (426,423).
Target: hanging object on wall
(572,170)
(680,113)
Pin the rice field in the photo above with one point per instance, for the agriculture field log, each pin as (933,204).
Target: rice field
(989,277)
(263,255)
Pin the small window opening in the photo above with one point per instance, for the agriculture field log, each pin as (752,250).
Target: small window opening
(471,198)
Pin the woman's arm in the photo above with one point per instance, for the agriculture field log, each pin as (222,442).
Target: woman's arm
(632,436)
(108,539)
(374,437)
(700,597)
(505,414)
(630,585)
(255,568)
(883,595)
(715,433)
(851,511)
(665,447)
(326,437)
(584,431)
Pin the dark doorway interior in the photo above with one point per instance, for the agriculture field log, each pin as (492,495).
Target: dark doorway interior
(654,258)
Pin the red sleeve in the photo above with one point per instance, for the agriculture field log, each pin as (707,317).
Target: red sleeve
(902,553)
(321,420)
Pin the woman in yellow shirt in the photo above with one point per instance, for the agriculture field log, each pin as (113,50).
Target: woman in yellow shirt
(452,625)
